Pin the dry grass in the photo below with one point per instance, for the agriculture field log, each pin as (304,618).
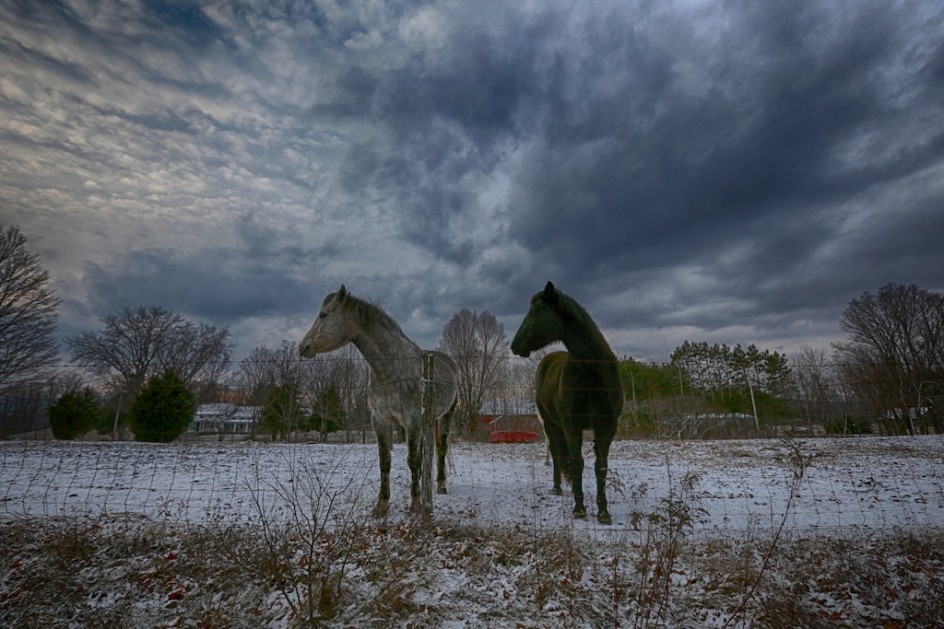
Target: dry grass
(311,559)
(136,573)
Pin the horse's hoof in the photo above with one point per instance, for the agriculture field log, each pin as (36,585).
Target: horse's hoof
(580,514)
(604,518)
(557,492)
(419,510)
(380,511)
(441,489)
(421,514)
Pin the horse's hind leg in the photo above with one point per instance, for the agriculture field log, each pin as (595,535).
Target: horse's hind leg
(556,475)
(573,467)
(556,446)
(384,445)
(442,445)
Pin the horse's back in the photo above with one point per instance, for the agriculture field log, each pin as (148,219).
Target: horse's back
(442,364)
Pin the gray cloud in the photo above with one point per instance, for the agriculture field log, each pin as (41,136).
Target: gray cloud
(706,172)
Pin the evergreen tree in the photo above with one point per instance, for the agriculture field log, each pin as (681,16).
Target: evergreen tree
(738,380)
(74,414)
(163,409)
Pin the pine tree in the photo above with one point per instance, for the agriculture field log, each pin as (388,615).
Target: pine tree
(163,409)
(74,414)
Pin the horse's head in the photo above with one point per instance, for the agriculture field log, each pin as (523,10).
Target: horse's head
(332,328)
(541,326)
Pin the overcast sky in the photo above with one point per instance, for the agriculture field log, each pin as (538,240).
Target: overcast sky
(731,172)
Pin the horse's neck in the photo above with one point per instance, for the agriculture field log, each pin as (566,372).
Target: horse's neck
(382,350)
(587,345)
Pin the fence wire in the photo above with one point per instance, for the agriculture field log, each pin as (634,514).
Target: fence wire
(838,486)
(801,484)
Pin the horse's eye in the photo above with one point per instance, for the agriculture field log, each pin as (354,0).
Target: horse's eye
(322,315)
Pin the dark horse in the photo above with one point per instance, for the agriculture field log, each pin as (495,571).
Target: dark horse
(577,390)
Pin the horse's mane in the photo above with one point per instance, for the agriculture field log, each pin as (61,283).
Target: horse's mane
(368,314)
(568,308)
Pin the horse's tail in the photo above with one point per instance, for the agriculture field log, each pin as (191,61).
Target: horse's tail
(446,419)
(452,408)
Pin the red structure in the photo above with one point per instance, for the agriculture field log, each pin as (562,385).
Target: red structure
(513,428)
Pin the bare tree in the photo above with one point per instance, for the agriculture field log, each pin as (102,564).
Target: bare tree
(343,372)
(143,342)
(255,380)
(27,312)
(273,380)
(815,387)
(335,384)
(264,370)
(894,357)
(477,343)
(255,375)
(516,389)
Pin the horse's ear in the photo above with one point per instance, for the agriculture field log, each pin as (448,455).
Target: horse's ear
(342,293)
(550,293)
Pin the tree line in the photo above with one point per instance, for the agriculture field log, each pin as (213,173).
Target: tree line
(886,375)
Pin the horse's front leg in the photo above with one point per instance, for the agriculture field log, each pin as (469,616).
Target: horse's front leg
(384,445)
(573,468)
(575,465)
(556,487)
(556,445)
(601,451)
(415,446)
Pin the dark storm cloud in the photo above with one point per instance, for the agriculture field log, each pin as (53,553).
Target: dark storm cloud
(749,163)
(670,165)
(213,285)
(185,19)
(448,118)
(651,145)
(702,171)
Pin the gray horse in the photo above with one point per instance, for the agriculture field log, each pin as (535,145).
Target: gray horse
(397,390)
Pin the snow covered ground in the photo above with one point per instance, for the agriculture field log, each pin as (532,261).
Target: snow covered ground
(847,484)
(820,532)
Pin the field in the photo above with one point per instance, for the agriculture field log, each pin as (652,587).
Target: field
(818,532)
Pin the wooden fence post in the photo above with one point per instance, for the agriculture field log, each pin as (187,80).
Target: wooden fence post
(426,466)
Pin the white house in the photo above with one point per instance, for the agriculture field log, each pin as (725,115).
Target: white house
(224,418)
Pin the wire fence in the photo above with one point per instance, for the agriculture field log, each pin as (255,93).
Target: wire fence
(809,486)
(236,472)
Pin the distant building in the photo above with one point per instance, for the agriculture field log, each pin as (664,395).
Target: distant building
(224,418)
